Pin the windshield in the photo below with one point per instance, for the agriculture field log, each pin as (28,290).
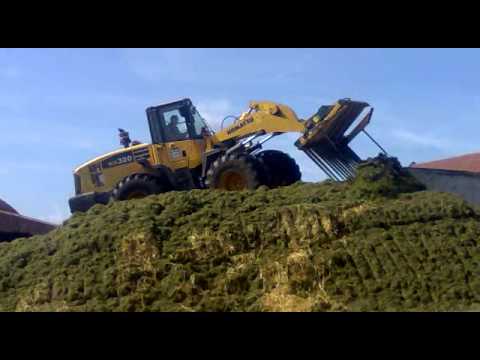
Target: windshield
(199,123)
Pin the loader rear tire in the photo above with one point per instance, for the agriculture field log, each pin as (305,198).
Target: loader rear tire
(137,186)
(280,168)
(234,172)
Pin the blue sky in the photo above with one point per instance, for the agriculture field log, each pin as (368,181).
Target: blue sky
(60,107)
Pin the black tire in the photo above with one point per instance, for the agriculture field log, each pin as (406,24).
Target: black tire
(280,168)
(137,186)
(234,172)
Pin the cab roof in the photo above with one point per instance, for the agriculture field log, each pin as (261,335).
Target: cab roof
(179,101)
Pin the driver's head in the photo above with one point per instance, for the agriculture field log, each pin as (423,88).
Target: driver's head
(173,120)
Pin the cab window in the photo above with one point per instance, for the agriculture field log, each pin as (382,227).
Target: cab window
(175,126)
(199,125)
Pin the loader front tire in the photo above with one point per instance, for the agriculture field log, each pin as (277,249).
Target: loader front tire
(280,168)
(137,186)
(234,172)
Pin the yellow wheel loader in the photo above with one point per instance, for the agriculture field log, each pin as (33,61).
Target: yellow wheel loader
(186,154)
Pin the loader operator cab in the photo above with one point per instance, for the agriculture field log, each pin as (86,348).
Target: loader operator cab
(175,121)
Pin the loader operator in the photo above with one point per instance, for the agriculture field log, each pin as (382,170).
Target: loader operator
(172,131)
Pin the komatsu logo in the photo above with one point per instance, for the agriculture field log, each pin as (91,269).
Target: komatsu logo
(239,126)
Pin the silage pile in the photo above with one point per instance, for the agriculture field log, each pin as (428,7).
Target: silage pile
(379,243)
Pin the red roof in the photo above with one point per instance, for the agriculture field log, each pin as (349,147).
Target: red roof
(469,162)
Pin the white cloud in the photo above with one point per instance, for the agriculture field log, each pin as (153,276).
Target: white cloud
(32,139)
(155,64)
(20,168)
(96,99)
(424,139)
(57,215)
(23,132)
(310,171)
(436,146)
(295,71)
(214,111)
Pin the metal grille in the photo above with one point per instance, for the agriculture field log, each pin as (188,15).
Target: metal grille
(142,154)
(338,164)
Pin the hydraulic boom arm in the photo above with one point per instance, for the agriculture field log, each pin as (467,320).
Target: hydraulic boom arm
(322,138)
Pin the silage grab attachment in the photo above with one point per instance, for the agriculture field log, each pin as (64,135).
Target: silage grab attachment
(325,140)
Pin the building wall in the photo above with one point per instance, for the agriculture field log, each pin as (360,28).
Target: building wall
(462,183)
(17,224)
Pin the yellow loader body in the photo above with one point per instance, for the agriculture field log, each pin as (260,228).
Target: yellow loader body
(185,153)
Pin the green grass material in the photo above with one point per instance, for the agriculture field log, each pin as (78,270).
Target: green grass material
(377,243)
